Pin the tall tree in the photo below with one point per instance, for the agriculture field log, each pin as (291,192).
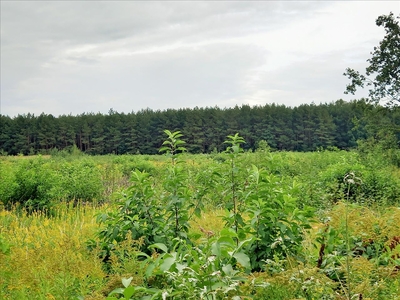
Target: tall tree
(5,133)
(382,76)
(194,130)
(66,132)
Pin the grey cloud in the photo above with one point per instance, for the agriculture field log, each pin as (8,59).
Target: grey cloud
(201,77)
(81,56)
(315,79)
(99,21)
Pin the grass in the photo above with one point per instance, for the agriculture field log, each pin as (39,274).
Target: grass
(48,257)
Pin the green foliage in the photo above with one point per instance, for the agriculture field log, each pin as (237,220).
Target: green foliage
(33,183)
(384,65)
(140,238)
(129,163)
(381,151)
(140,215)
(343,248)
(37,183)
(235,204)
(133,292)
(69,153)
(147,214)
(173,144)
(206,188)
(263,146)
(235,142)
(151,234)
(208,271)
(177,195)
(274,220)
(4,246)
(78,181)
(376,185)
(176,198)
(302,128)
(8,183)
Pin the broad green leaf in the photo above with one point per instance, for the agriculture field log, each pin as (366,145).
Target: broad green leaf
(242,243)
(129,291)
(228,270)
(167,263)
(180,267)
(226,241)
(217,285)
(138,254)
(216,249)
(242,259)
(228,232)
(117,291)
(150,269)
(160,246)
(197,212)
(163,149)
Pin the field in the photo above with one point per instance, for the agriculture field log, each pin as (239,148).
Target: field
(233,225)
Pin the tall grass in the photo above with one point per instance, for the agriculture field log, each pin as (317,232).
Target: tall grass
(48,258)
(45,256)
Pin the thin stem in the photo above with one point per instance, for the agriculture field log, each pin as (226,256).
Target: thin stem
(348,269)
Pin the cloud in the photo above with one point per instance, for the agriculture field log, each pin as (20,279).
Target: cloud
(65,57)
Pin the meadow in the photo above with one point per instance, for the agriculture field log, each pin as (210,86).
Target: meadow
(231,225)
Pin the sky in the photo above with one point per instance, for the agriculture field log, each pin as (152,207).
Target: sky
(74,57)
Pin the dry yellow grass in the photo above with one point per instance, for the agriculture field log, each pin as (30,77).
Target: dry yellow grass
(367,222)
(368,277)
(48,256)
(210,223)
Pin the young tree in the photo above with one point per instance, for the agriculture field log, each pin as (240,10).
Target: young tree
(382,76)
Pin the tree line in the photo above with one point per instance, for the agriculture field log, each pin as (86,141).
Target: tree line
(304,128)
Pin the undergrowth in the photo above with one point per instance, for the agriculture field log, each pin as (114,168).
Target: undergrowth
(232,225)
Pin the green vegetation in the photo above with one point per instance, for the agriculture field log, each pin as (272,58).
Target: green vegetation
(228,225)
(382,76)
(307,127)
(242,222)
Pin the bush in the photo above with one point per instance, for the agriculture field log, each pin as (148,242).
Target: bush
(79,181)
(7,183)
(372,186)
(129,163)
(33,183)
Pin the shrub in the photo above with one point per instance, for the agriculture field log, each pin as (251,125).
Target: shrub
(33,180)
(208,271)
(79,180)
(274,220)
(373,186)
(140,216)
(147,215)
(8,183)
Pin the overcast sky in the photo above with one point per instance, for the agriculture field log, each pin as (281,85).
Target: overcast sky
(74,57)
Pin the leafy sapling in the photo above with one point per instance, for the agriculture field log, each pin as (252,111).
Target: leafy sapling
(173,145)
(176,191)
(235,219)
